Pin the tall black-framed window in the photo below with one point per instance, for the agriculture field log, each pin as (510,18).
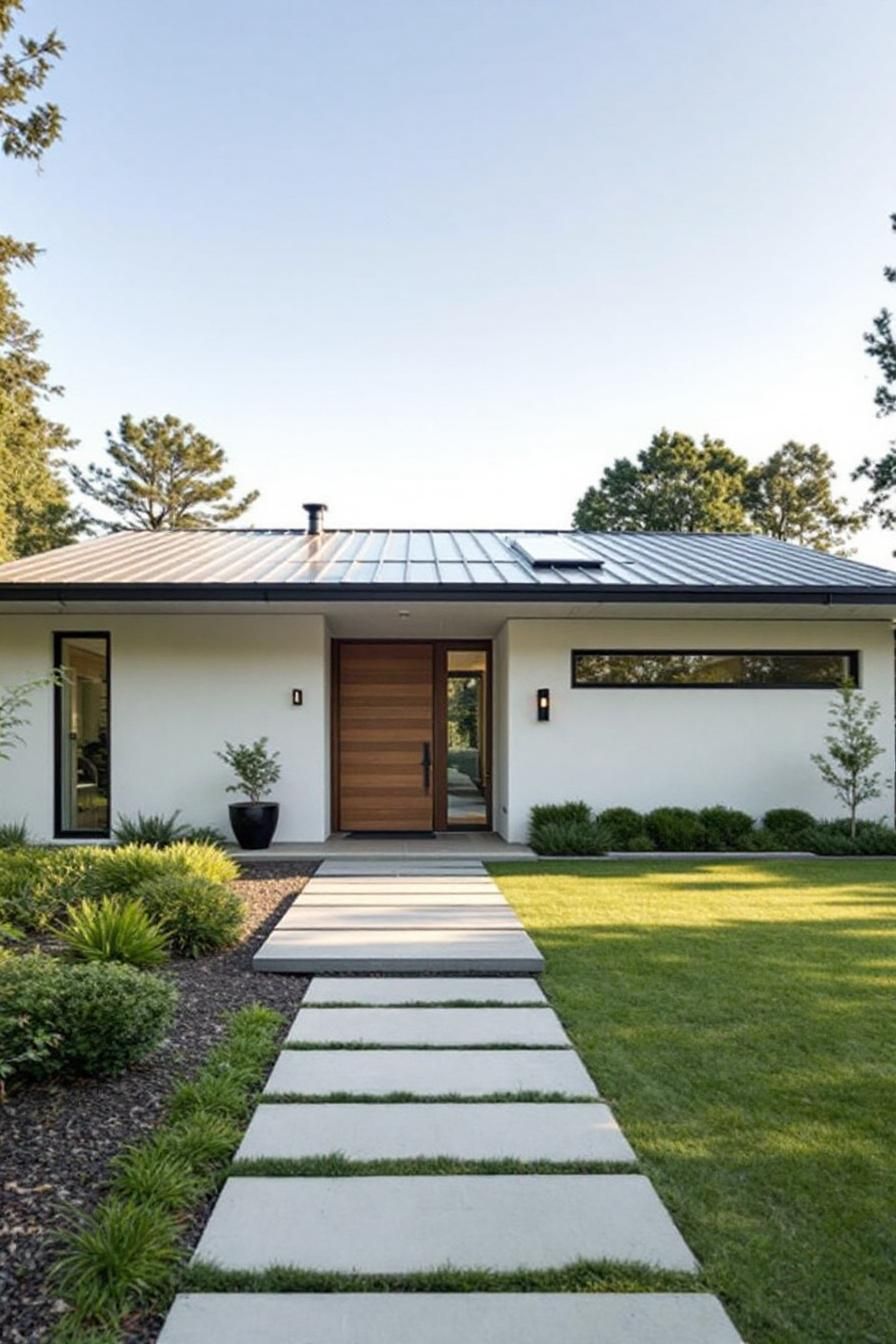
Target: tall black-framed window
(82,733)
(723,669)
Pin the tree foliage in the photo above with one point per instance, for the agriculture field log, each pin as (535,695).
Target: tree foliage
(34,505)
(28,128)
(674,485)
(679,485)
(880,475)
(852,749)
(790,496)
(163,474)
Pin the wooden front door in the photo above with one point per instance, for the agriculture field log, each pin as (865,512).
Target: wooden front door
(384,737)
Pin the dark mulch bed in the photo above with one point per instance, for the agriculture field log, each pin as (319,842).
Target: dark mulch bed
(56,1140)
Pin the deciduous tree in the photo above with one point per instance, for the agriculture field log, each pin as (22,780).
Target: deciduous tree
(163,474)
(674,485)
(791,496)
(852,749)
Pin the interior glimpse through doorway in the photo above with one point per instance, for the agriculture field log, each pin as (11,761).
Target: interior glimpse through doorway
(411,736)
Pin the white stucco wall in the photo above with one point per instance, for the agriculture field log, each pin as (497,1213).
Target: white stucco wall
(181,685)
(645,748)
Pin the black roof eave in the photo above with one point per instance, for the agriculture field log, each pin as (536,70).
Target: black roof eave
(815,595)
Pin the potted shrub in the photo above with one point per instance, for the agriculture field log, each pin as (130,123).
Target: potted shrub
(257,771)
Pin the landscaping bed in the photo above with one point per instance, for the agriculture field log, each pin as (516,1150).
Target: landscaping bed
(57,1137)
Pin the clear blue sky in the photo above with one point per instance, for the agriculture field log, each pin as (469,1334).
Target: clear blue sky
(437,262)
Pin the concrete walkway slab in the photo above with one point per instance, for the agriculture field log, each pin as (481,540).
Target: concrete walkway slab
(446,1318)
(389,991)
(386,895)
(414,867)
(525,1131)
(428,1026)
(399,1224)
(305,915)
(430,1073)
(488,951)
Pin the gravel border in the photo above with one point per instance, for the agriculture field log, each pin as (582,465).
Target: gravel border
(56,1139)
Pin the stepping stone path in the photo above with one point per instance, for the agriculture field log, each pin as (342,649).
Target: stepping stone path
(387,916)
(395,1071)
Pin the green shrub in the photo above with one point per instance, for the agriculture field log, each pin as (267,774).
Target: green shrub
(790,825)
(640,844)
(13,835)
(155,829)
(114,929)
(121,1255)
(726,827)
(118,872)
(763,840)
(675,828)
(564,828)
(620,825)
(93,1019)
(199,915)
(833,837)
(30,1028)
(37,884)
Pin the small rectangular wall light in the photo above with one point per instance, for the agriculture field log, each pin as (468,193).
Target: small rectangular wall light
(543,700)
(296,696)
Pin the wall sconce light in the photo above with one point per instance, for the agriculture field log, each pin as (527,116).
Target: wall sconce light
(296,696)
(543,700)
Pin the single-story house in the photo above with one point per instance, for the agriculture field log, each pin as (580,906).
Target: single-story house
(429,680)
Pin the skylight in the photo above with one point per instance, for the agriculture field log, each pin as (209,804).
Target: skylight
(549,551)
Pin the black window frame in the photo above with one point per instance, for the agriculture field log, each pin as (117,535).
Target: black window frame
(851,655)
(59,832)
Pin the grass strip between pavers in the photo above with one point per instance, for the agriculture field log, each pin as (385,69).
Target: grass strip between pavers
(336,1164)
(428,1003)
(126,1254)
(582,1276)
(387,1045)
(397,1098)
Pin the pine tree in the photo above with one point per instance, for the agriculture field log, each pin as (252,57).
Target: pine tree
(34,505)
(880,344)
(163,474)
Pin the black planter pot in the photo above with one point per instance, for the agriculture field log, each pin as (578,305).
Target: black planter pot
(254,824)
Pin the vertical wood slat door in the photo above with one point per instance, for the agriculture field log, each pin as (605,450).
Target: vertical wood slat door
(385,718)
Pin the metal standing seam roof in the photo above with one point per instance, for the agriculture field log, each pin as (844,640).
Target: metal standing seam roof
(440,561)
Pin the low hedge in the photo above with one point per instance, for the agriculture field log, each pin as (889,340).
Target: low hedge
(572,828)
(89,1019)
(565,828)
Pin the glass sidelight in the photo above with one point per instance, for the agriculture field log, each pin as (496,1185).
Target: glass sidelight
(466,728)
(82,734)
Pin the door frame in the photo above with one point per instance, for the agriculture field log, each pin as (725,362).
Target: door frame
(440,648)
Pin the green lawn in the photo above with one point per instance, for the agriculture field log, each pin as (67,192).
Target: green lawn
(741,1019)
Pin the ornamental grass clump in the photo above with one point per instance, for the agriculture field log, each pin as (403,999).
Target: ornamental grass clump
(118,872)
(114,929)
(156,829)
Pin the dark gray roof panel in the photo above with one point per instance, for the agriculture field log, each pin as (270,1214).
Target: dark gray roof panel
(446,559)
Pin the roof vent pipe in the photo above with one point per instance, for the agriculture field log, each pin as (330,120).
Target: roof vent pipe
(315,518)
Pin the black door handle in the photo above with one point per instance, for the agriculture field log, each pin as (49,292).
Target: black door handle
(426,762)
